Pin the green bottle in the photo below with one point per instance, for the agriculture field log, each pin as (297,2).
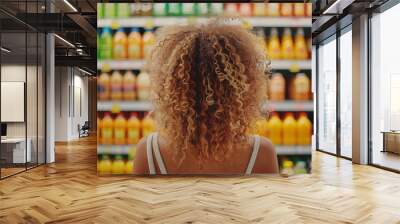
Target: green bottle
(106,44)
(100,10)
(189,9)
(110,10)
(174,9)
(160,9)
(98,45)
(123,10)
(203,9)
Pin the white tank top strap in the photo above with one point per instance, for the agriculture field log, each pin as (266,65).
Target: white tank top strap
(150,160)
(157,154)
(252,161)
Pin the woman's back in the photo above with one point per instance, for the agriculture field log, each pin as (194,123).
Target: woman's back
(208,83)
(154,157)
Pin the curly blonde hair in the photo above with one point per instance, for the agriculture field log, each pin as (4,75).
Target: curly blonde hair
(208,83)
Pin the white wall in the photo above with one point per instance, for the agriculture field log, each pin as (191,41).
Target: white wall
(70,83)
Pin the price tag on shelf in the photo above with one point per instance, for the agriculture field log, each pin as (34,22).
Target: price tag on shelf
(149,24)
(114,25)
(115,108)
(105,67)
(191,20)
(247,24)
(294,68)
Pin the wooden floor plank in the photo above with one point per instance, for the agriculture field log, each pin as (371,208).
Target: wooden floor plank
(69,191)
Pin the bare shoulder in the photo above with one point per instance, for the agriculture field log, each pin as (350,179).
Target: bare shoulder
(267,160)
(140,163)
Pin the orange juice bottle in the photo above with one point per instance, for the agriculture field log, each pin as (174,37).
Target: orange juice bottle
(116,86)
(287,44)
(103,87)
(274,127)
(135,44)
(277,87)
(120,130)
(300,46)
(274,46)
(286,9)
(245,9)
(259,9)
(273,9)
(120,45)
(303,130)
(143,86)
(308,9)
(261,39)
(299,9)
(262,127)
(289,130)
(133,126)
(231,8)
(129,86)
(148,42)
(301,87)
(107,126)
(147,125)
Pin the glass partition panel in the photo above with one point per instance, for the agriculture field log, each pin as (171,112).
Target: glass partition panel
(346,93)
(385,89)
(327,96)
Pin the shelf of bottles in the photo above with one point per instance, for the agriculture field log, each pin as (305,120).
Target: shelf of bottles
(283,28)
(287,105)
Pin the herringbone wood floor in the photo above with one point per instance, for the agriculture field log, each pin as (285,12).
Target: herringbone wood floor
(70,192)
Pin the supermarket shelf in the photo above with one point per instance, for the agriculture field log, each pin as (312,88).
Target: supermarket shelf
(120,64)
(289,105)
(124,150)
(138,64)
(291,64)
(114,149)
(124,106)
(142,21)
(293,150)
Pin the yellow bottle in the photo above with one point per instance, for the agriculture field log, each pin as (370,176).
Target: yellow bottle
(104,166)
(289,130)
(148,42)
(129,167)
(303,129)
(274,45)
(103,87)
(133,127)
(274,127)
(262,128)
(118,165)
(135,44)
(259,9)
(287,45)
(116,86)
(129,86)
(261,39)
(143,86)
(300,47)
(277,87)
(107,126)
(147,125)
(301,87)
(120,130)
(120,45)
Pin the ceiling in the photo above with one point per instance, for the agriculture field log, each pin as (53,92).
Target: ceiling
(77,27)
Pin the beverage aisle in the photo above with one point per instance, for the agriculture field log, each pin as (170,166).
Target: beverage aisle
(125,35)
